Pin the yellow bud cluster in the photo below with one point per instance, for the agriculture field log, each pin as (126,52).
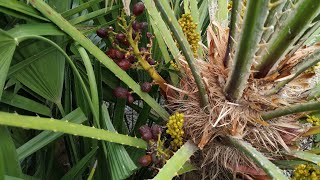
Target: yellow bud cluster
(230,5)
(313,120)
(307,172)
(243,7)
(175,130)
(313,68)
(190,31)
(174,65)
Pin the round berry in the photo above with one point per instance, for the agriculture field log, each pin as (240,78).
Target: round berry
(119,54)
(156,130)
(136,26)
(132,59)
(146,87)
(151,61)
(112,53)
(102,33)
(121,37)
(145,132)
(124,64)
(144,128)
(145,160)
(147,136)
(138,8)
(120,92)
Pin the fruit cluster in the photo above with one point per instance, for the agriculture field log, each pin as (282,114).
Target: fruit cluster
(152,136)
(126,52)
(123,93)
(306,171)
(313,120)
(190,31)
(124,42)
(152,133)
(175,124)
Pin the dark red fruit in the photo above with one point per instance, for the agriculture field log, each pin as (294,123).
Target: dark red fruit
(138,8)
(151,61)
(144,128)
(145,132)
(124,64)
(132,59)
(136,25)
(146,87)
(102,33)
(149,35)
(156,130)
(130,98)
(119,55)
(145,160)
(120,92)
(112,53)
(143,25)
(147,136)
(121,37)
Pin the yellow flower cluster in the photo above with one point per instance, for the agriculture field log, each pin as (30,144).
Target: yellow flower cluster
(313,120)
(174,65)
(190,31)
(175,130)
(306,172)
(313,68)
(243,7)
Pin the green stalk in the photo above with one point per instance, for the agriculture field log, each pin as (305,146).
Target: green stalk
(235,16)
(307,156)
(296,108)
(272,170)
(79,8)
(92,15)
(271,19)
(305,37)
(96,52)
(39,123)
(312,131)
(175,163)
(222,12)
(291,30)
(247,46)
(59,106)
(173,24)
(45,137)
(91,79)
(158,23)
(305,64)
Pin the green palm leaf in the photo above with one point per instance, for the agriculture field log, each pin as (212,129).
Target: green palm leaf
(7,47)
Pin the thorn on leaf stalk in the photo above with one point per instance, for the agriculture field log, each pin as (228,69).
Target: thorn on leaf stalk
(261,45)
(269,28)
(275,4)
